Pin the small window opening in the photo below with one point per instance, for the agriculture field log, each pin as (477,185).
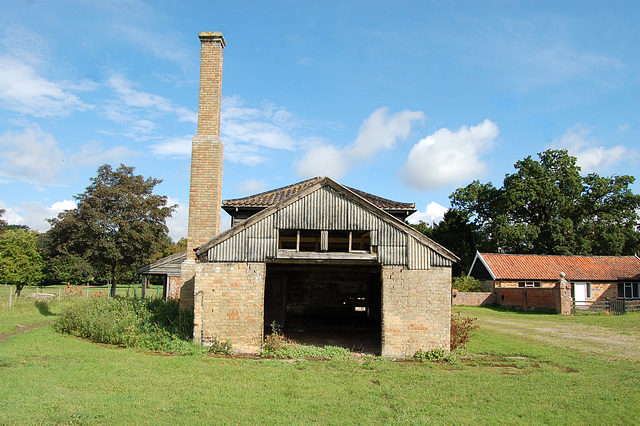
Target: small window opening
(309,240)
(288,239)
(338,241)
(361,241)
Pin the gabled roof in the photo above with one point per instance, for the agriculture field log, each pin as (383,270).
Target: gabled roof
(165,262)
(274,196)
(548,268)
(311,186)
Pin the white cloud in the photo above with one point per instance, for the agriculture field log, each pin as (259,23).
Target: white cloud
(61,206)
(139,110)
(92,154)
(173,147)
(31,156)
(590,154)
(252,131)
(24,91)
(251,186)
(34,215)
(381,131)
(434,213)
(447,157)
(323,160)
(378,132)
(179,220)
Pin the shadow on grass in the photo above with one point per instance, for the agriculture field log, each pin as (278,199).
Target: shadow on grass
(43,308)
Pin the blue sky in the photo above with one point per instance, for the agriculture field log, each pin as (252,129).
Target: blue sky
(407,100)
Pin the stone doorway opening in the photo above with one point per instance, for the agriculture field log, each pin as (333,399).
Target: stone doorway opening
(325,304)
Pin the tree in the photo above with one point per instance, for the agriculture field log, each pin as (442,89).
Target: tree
(118,224)
(20,259)
(3,223)
(547,207)
(456,233)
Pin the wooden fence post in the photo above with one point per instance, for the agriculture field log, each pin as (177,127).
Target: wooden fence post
(10,295)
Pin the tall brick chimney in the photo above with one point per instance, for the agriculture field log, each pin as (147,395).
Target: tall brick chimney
(205,195)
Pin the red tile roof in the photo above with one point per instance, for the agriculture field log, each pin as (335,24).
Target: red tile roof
(274,196)
(576,268)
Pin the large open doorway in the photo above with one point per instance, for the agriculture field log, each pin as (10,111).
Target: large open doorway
(325,304)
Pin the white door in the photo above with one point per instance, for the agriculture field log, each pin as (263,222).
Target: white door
(580,294)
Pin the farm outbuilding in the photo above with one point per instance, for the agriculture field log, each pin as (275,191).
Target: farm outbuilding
(327,263)
(323,260)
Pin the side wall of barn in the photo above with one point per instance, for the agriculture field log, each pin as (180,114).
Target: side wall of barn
(416,310)
(229,304)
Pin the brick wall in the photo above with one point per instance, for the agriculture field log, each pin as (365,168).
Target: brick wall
(416,310)
(473,299)
(528,298)
(229,304)
(174,284)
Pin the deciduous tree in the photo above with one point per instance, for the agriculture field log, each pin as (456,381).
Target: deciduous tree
(547,207)
(117,226)
(20,258)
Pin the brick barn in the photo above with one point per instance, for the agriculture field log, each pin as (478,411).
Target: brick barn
(330,264)
(528,281)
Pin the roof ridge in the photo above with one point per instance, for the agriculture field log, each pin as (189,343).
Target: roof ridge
(274,196)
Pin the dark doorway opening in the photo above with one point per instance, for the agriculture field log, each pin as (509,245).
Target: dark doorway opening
(325,304)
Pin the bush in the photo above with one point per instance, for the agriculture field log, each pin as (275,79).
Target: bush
(461,329)
(152,324)
(432,355)
(466,284)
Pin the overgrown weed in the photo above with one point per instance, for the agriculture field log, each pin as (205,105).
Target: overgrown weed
(152,324)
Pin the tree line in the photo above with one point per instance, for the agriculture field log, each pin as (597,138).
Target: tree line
(119,224)
(545,207)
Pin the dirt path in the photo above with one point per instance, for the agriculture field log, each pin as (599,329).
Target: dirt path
(22,329)
(579,337)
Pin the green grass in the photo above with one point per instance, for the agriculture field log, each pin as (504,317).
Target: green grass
(502,378)
(124,290)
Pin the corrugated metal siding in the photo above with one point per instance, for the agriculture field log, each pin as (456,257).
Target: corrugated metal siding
(325,209)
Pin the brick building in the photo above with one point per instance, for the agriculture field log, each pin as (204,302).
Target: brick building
(330,264)
(527,280)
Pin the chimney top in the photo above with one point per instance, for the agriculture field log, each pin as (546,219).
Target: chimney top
(212,35)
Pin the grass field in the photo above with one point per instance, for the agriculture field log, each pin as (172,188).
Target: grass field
(515,371)
(59,291)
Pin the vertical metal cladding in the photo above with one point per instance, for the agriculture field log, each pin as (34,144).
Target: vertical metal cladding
(419,255)
(325,209)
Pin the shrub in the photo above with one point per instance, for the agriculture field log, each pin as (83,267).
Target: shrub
(461,329)
(432,355)
(466,284)
(221,348)
(152,324)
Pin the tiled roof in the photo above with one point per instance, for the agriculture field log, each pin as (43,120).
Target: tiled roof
(576,268)
(268,198)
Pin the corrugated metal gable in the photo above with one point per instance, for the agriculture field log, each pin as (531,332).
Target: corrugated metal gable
(324,209)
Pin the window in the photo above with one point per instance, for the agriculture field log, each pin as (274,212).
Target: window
(309,240)
(288,239)
(628,290)
(338,241)
(320,241)
(528,284)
